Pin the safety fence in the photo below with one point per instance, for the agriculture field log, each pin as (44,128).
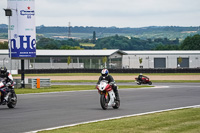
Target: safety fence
(143,70)
(33,83)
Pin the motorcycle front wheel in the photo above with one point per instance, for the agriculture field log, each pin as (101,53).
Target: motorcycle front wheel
(103,102)
(117,104)
(12,100)
(150,83)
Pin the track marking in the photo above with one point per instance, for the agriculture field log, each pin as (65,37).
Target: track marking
(112,118)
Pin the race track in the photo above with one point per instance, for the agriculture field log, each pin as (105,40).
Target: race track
(40,111)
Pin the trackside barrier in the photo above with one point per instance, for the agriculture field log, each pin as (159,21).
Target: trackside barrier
(39,83)
(137,70)
(17,83)
(33,83)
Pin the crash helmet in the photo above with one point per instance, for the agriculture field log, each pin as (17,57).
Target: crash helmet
(141,74)
(104,72)
(3,70)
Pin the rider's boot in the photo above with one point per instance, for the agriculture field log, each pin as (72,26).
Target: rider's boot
(117,95)
(4,102)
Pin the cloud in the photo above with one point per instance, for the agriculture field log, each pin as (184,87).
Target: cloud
(123,13)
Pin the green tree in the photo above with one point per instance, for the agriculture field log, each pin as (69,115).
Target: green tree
(104,60)
(191,43)
(4,45)
(94,37)
(66,47)
(48,43)
(68,60)
(179,60)
(51,46)
(140,60)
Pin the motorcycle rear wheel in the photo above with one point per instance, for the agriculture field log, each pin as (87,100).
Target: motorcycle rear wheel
(12,100)
(103,102)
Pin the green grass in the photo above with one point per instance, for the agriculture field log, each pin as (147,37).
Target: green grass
(176,81)
(61,74)
(58,88)
(179,121)
(87,44)
(127,81)
(73,81)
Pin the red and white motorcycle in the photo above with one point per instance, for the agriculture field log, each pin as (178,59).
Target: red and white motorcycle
(107,95)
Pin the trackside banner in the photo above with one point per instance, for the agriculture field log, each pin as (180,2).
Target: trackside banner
(22,28)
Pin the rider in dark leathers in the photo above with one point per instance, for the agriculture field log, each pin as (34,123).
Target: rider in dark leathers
(8,82)
(140,77)
(109,78)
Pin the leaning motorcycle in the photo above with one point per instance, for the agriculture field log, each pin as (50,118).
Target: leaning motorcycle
(9,94)
(107,95)
(145,80)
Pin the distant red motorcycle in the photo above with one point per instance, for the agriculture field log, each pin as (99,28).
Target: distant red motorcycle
(145,80)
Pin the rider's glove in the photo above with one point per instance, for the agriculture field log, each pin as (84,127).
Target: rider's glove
(96,86)
(110,84)
(8,84)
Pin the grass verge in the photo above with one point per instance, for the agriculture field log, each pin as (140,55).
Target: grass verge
(128,81)
(59,88)
(179,121)
(176,81)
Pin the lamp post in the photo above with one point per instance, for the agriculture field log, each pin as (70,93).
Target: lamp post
(8,12)
(3,62)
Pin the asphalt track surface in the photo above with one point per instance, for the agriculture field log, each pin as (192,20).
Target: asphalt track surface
(40,111)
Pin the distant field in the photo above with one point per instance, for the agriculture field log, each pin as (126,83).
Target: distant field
(3,40)
(168,34)
(87,44)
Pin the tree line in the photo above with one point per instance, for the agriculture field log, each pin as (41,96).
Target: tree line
(119,42)
(123,43)
(89,29)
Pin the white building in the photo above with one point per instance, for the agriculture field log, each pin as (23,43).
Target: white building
(161,59)
(93,59)
(59,59)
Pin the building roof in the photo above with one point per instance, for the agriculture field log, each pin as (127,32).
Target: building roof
(172,52)
(105,52)
(77,52)
(73,52)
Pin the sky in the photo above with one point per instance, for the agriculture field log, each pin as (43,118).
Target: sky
(118,13)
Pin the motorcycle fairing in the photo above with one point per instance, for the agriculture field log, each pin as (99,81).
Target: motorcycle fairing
(112,98)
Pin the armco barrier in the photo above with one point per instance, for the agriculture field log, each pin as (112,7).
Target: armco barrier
(37,83)
(143,70)
(33,83)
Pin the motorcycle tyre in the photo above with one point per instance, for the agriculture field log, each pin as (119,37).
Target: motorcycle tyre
(12,104)
(139,83)
(150,83)
(103,102)
(117,104)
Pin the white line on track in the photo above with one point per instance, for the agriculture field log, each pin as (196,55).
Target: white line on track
(119,117)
